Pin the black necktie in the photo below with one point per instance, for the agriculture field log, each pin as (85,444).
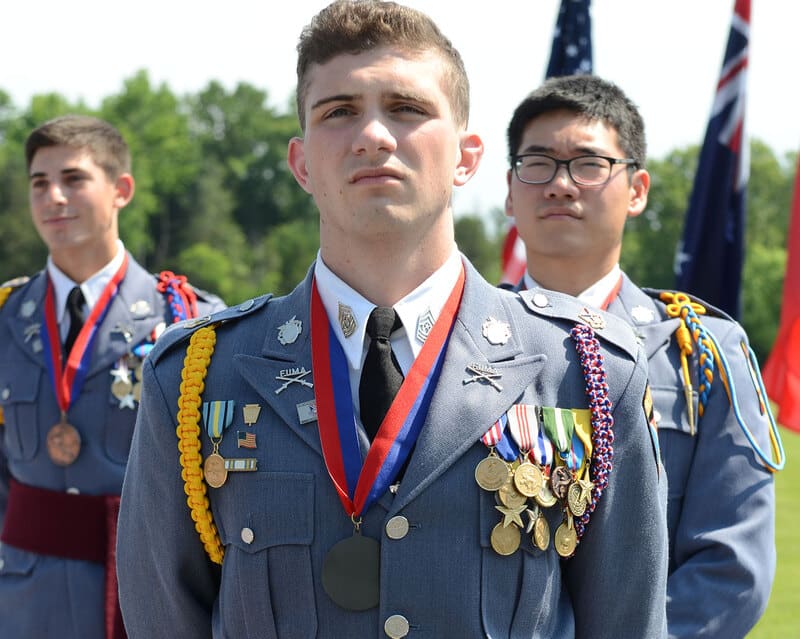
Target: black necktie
(75,303)
(381,376)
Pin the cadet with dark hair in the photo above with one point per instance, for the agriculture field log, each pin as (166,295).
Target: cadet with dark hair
(577,149)
(385,450)
(72,341)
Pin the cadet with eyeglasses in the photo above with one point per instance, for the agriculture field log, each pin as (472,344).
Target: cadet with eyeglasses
(577,149)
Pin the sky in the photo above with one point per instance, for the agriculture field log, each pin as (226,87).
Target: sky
(666,56)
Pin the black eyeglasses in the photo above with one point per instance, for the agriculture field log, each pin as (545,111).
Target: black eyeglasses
(585,170)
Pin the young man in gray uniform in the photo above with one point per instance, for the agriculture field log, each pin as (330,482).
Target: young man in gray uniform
(577,149)
(508,488)
(72,341)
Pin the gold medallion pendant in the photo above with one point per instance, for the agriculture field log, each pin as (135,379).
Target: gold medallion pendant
(491,473)
(63,443)
(214,470)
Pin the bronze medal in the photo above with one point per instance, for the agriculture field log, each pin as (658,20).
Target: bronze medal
(560,479)
(541,532)
(505,539)
(528,479)
(121,388)
(546,498)
(576,500)
(63,443)
(566,540)
(509,496)
(491,473)
(214,470)
(351,573)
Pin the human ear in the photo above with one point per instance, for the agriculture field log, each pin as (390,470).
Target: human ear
(296,159)
(471,152)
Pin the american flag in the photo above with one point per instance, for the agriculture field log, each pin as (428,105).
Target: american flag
(246,439)
(571,54)
(709,259)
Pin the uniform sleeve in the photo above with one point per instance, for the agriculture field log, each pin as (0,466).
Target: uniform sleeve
(167,584)
(723,560)
(617,577)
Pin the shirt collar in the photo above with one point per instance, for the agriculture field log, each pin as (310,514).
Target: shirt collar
(427,300)
(597,293)
(92,288)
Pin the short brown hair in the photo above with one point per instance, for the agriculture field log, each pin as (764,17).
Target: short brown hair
(356,26)
(103,142)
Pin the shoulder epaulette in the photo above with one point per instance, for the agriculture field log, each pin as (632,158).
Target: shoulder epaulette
(605,325)
(666,295)
(181,331)
(6,288)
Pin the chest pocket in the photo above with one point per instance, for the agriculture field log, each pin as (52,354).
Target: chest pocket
(18,397)
(266,523)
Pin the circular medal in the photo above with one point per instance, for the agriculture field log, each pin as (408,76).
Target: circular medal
(541,533)
(351,573)
(120,388)
(509,496)
(63,443)
(505,539)
(214,470)
(560,479)
(565,540)
(546,498)
(528,479)
(491,473)
(575,499)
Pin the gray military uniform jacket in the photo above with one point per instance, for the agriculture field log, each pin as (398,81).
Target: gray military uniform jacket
(45,596)
(721,508)
(440,579)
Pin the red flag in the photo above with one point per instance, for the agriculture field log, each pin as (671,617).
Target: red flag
(782,371)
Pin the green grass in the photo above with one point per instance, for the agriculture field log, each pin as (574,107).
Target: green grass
(782,619)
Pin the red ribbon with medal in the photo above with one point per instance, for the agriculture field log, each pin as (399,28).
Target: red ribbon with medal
(350,573)
(63,439)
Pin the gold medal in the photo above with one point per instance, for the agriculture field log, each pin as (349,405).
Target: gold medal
(541,532)
(120,388)
(491,473)
(566,540)
(509,496)
(528,479)
(546,498)
(576,499)
(505,539)
(63,443)
(214,470)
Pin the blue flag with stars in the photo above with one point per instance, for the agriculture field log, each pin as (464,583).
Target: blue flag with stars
(571,54)
(711,254)
(572,40)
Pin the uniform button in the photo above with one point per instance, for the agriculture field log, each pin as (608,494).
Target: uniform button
(540,300)
(73,491)
(246,306)
(5,394)
(396,626)
(247,535)
(397,527)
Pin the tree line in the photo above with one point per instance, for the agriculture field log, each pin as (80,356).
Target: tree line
(216,201)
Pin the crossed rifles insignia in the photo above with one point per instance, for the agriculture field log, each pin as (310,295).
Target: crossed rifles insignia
(483,373)
(292,376)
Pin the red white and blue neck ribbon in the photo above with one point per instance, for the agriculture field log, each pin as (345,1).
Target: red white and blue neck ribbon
(68,379)
(497,439)
(359,485)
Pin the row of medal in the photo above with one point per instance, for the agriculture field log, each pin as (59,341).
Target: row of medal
(523,488)
(547,464)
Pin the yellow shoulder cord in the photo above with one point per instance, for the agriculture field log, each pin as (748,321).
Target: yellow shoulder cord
(195,367)
(681,305)
(5,291)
